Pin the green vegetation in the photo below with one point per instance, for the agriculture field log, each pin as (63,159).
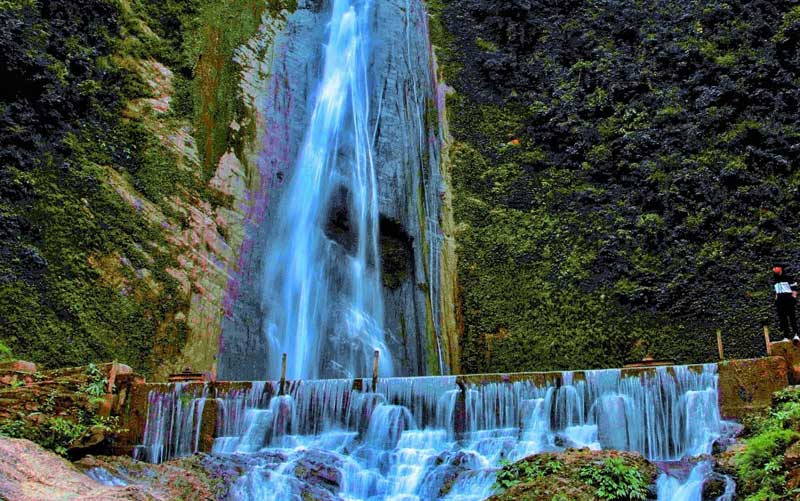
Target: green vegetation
(575,475)
(5,352)
(224,26)
(56,433)
(619,189)
(61,416)
(762,471)
(97,384)
(615,480)
(516,473)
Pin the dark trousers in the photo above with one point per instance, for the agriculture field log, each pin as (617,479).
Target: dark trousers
(785,304)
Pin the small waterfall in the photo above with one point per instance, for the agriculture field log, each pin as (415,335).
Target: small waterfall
(431,438)
(690,488)
(174,419)
(321,288)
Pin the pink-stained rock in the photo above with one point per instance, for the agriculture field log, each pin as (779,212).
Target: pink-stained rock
(30,473)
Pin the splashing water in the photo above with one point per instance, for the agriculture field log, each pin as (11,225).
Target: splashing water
(321,287)
(427,438)
(671,487)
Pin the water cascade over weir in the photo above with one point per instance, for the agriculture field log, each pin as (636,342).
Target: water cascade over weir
(429,438)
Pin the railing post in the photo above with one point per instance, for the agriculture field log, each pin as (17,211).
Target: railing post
(375,370)
(282,389)
(766,340)
(719,345)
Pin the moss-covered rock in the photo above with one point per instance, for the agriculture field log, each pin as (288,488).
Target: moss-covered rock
(576,475)
(767,462)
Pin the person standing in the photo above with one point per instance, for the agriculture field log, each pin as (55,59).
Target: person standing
(785,301)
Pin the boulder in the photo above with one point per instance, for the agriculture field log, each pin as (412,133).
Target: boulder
(28,472)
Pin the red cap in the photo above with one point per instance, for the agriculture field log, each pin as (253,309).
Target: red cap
(777,269)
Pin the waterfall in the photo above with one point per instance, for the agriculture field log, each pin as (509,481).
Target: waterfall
(431,438)
(321,289)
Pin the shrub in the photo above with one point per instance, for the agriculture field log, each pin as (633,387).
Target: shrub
(760,465)
(615,480)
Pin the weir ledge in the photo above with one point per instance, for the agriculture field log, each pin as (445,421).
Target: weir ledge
(744,386)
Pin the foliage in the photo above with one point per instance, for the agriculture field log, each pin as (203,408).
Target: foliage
(762,474)
(55,433)
(97,383)
(576,475)
(512,474)
(5,352)
(83,272)
(615,480)
(622,177)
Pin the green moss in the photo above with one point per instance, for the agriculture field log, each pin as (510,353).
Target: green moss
(575,475)
(224,26)
(442,41)
(486,45)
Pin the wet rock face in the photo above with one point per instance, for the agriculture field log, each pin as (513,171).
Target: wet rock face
(397,254)
(321,470)
(407,156)
(293,71)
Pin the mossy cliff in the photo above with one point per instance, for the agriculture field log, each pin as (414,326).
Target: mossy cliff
(124,176)
(624,178)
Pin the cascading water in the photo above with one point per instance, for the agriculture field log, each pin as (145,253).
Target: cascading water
(429,438)
(321,284)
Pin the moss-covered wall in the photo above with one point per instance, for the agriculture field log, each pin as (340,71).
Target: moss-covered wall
(115,238)
(624,177)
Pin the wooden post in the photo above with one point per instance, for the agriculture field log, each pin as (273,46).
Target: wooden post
(719,345)
(766,340)
(282,388)
(375,370)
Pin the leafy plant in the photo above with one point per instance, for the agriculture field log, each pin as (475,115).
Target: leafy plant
(55,433)
(524,471)
(58,433)
(13,428)
(615,480)
(760,465)
(49,404)
(97,384)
